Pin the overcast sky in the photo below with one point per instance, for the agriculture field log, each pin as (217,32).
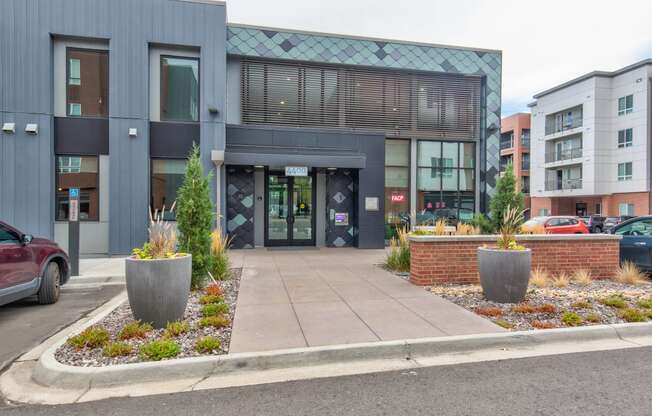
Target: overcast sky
(544,43)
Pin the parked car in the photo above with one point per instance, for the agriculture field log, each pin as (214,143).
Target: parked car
(636,244)
(611,222)
(559,224)
(30,266)
(594,222)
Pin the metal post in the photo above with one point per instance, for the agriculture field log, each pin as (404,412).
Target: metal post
(73,230)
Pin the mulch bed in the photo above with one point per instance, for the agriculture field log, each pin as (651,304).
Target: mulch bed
(564,300)
(67,354)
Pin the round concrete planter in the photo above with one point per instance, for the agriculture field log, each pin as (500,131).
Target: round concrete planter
(504,274)
(158,289)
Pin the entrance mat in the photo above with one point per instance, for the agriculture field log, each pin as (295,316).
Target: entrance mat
(292,248)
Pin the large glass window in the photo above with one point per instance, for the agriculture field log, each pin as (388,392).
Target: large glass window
(179,89)
(87,84)
(167,178)
(397,185)
(78,172)
(445,181)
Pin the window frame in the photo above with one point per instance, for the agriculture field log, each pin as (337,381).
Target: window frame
(625,176)
(56,188)
(626,110)
(151,179)
(108,87)
(625,142)
(160,87)
(409,177)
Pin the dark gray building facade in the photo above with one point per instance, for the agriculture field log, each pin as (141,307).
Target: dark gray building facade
(313,139)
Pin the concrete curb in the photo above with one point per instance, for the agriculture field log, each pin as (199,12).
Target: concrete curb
(49,372)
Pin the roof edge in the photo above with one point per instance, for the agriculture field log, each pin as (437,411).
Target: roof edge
(369,38)
(604,74)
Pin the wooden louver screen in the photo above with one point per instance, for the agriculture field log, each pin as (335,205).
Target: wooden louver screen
(398,102)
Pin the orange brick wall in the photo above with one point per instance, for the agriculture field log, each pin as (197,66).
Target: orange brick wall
(446,261)
(610,204)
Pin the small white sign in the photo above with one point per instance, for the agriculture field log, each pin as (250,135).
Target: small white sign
(73,211)
(296,171)
(371,203)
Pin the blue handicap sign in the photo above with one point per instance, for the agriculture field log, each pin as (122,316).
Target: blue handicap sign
(73,193)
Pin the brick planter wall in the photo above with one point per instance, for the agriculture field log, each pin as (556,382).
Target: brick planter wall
(453,259)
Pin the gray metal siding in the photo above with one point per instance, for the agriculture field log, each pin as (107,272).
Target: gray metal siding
(26,74)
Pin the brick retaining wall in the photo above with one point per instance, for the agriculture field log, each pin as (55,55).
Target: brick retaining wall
(453,259)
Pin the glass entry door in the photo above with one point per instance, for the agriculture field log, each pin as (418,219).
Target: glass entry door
(289,211)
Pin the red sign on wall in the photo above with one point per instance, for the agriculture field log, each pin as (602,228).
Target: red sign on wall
(398,198)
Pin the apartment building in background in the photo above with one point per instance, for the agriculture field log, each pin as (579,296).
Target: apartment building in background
(312,138)
(515,149)
(590,147)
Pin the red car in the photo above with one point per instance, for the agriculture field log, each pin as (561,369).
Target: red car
(559,224)
(30,266)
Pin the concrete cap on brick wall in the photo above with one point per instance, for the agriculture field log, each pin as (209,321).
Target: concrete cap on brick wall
(520,237)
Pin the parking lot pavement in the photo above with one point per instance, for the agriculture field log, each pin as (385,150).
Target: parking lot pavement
(25,324)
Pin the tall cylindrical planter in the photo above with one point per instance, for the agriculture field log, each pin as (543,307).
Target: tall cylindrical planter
(158,289)
(504,274)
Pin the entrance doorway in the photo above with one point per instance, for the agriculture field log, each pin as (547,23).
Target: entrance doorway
(289,210)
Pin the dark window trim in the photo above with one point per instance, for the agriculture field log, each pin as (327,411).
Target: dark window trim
(160,88)
(108,87)
(56,188)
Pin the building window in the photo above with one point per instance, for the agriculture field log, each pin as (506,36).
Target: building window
(598,208)
(87,89)
(179,89)
(525,184)
(544,212)
(625,171)
(625,105)
(167,178)
(397,185)
(445,181)
(625,138)
(625,208)
(77,172)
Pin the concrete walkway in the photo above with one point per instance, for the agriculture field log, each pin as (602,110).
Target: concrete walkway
(299,298)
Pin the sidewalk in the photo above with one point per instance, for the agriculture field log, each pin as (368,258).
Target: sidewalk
(306,298)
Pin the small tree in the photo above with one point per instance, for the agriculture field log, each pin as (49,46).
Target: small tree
(506,196)
(195,217)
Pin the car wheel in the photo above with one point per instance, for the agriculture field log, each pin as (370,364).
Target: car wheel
(598,230)
(50,284)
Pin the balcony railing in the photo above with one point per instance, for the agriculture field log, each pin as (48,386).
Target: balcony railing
(565,154)
(566,124)
(525,141)
(525,165)
(563,184)
(506,144)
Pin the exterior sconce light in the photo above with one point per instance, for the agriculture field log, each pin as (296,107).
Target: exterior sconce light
(9,128)
(213,111)
(133,132)
(31,128)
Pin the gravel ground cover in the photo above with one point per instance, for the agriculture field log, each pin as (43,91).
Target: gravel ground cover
(552,307)
(115,321)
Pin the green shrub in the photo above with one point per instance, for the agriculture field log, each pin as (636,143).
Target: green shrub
(571,319)
(214,321)
(505,197)
(134,329)
(482,223)
(91,337)
(632,315)
(117,349)
(219,257)
(208,299)
(593,318)
(615,301)
(398,259)
(582,304)
(207,344)
(174,329)
(503,323)
(159,349)
(195,217)
(214,309)
(645,303)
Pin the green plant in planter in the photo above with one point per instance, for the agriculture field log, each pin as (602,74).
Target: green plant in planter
(219,257)
(510,227)
(159,349)
(219,321)
(174,329)
(117,349)
(162,242)
(195,217)
(91,337)
(398,258)
(214,309)
(207,344)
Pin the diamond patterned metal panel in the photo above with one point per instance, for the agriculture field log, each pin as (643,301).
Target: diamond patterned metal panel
(340,198)
(282,44)
(240,206)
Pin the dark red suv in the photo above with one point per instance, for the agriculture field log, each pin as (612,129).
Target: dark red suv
(30,266)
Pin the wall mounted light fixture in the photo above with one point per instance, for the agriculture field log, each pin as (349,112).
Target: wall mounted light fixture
(133,132)
(9,128)
(31,128)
